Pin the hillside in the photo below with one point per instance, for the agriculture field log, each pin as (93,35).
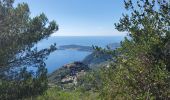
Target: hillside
(76,47)
(96,58)
(68,74)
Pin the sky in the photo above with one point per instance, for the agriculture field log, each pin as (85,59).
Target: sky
(80,17)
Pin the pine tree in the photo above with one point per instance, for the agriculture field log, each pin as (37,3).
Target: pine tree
(18,35)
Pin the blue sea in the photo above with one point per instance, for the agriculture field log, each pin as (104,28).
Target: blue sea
(62,57)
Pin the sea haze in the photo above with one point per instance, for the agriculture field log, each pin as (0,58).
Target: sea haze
(62,57)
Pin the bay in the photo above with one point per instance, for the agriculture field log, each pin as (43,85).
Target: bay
(62,57)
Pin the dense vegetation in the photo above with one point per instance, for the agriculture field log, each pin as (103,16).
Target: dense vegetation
(18,35)
(138,69)
(56,93)
(142,66)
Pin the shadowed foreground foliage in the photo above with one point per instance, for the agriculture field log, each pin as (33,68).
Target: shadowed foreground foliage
(142,65)
(18,35)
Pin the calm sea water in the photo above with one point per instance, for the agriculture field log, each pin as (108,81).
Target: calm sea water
(61,57)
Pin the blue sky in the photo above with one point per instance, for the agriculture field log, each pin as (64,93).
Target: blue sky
(80,17)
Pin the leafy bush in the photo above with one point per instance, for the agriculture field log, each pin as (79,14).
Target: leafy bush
(141,66)
(56,93)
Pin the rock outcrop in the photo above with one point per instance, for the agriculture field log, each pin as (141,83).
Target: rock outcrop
(68,74)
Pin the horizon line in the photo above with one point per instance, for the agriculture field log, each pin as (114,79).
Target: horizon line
(87,35)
